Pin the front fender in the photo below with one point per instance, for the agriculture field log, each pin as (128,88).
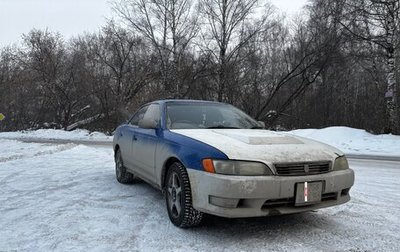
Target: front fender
(188,151)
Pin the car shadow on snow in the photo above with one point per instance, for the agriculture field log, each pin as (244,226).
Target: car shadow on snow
(306,219)
(293,225)
(313,229)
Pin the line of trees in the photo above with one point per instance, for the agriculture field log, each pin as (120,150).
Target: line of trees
(336,65)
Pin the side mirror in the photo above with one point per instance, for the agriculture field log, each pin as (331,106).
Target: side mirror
(147,123)
(262,124)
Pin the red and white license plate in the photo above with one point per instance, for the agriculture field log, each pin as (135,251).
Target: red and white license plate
(308,193)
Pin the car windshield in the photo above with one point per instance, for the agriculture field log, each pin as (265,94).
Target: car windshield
(207,116)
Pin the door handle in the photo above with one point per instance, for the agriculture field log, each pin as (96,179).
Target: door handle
(134,138)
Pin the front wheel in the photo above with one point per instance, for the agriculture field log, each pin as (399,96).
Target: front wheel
(179,198)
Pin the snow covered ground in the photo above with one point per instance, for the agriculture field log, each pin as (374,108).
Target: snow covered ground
(65,197)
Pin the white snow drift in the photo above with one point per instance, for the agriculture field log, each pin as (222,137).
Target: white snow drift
(348,140)
(354,141)
(50,134)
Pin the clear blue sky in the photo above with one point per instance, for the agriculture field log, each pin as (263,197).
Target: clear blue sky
(70,17)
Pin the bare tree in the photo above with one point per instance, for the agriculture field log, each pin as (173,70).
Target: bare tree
(45,58)
(230,26)
(169,25)
(326,69)
(378,22)
(125,69)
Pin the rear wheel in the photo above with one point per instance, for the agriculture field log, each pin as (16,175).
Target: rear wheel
(123,176)
(179,198)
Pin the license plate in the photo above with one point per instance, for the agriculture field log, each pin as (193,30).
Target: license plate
(308,193)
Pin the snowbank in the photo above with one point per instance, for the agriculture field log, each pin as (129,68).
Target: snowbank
(78,134)
(354,141)
(349,140)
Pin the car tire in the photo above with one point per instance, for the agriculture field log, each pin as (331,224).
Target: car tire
(122,175)
(179,198)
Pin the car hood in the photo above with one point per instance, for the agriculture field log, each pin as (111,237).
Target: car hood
(263,145)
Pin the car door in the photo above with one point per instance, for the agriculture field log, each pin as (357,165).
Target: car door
(144,145)
(127,134)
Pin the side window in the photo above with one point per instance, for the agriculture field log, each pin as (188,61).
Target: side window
(138,116)
(153,113)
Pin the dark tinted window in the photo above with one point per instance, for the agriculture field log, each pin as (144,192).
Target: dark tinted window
(207,115)
(138,115)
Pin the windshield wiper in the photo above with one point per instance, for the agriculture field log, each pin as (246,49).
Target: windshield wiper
(222,127)
(257,127)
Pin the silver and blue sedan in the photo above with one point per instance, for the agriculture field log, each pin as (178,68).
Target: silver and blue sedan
(210,157)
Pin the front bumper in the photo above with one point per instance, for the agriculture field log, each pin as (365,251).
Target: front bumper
(248,196)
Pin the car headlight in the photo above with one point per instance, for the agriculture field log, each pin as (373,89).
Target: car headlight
(341,164)
(232,167)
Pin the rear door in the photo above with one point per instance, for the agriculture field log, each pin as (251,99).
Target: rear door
(144,145)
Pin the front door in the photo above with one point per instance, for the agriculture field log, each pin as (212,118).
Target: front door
(127,136)
(144,145)
(125,143)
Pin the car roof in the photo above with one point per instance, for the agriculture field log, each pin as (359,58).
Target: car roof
(186,101)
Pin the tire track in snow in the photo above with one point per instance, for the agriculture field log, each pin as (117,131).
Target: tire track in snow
(58,148)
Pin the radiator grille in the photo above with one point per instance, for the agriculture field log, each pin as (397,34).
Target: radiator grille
(301,169)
